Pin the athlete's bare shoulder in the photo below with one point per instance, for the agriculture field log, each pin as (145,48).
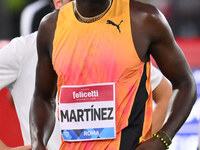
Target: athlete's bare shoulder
(46,31)
(149,26)
(148,16)
(144,11)
(50,19)
(143,7)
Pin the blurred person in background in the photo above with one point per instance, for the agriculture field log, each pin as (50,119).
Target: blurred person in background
(10,11)
(3,43)
(18,61)
(33,14)
(162,92)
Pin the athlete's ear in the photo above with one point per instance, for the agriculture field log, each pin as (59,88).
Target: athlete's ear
(57,4)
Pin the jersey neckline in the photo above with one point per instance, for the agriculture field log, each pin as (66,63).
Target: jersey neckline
(99,20)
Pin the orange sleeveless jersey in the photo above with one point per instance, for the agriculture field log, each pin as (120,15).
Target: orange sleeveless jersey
(102,52)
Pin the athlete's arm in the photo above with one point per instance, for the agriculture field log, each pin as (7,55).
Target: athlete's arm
(153,35)
(42,111)
(161,95)
(173,65)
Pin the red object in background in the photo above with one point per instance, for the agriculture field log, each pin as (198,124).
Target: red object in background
(191,50)
(10,132)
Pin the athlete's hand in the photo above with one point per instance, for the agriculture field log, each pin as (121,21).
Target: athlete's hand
(151,144)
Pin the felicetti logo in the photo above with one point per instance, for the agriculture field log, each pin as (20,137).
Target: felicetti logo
(82,94)
(86,93)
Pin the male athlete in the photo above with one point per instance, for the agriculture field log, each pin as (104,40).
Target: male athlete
(97,51)
(21,53)
(160,87)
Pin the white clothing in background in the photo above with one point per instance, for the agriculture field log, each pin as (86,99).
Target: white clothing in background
(17,72)
(156,77)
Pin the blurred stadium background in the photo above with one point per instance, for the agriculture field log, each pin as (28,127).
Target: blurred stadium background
(182,15)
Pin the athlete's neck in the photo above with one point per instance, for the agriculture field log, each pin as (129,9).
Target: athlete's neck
(90,8)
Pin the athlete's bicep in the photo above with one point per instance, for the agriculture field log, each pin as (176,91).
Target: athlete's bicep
(166,51)
(46,77)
